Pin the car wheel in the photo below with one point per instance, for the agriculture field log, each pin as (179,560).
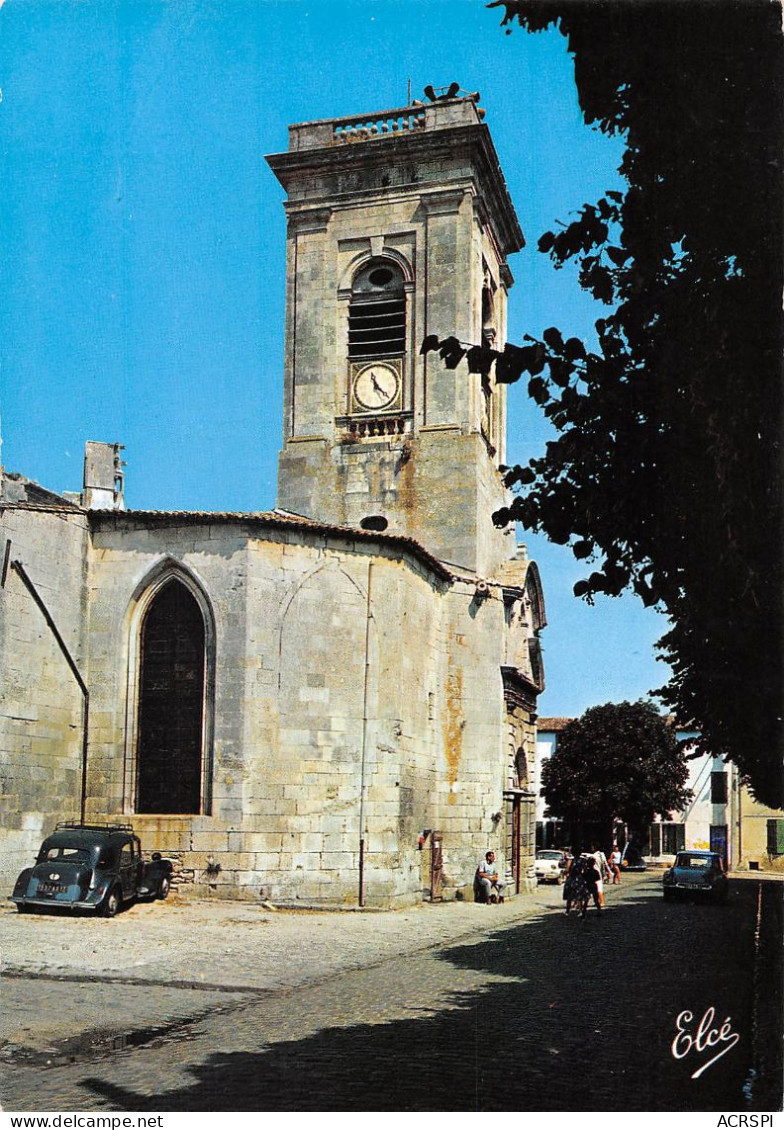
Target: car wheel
(163,887)
(111,904)
(668,895)
(23,909)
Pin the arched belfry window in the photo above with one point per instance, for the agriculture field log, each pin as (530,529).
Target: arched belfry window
(170,734)
(377,311)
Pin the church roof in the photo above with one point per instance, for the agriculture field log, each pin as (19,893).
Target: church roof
(265,519)
(62,505)
(276,519)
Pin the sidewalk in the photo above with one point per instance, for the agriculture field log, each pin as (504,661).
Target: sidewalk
(74,984)
(236,945)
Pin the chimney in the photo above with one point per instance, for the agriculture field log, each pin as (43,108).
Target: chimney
(103,476)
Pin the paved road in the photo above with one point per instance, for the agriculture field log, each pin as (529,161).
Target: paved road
(530,1011)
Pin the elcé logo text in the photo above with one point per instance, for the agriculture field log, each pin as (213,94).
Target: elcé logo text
(705,1037)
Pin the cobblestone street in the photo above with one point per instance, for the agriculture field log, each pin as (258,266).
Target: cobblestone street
(447,1008)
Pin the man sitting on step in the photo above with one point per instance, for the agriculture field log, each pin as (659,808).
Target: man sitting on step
(487,886)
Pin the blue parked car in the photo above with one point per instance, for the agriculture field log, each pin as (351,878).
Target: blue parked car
(91,867)
(696,873)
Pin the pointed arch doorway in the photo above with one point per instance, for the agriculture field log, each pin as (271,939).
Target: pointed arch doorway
(170,733)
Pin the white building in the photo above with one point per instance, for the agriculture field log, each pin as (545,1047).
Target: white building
(709,822)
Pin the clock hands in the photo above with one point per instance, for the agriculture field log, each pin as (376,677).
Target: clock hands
(382,392)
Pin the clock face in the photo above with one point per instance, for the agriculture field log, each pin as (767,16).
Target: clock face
(376,387)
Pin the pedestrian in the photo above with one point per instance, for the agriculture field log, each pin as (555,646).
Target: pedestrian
(614,863)
(575,887)
(604,873)
(486,880)
(593,879)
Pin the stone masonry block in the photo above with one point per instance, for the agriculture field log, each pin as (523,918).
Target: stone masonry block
(210,842)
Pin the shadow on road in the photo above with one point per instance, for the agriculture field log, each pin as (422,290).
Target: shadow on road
(587,1023)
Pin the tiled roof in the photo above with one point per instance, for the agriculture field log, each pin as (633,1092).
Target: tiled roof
(275,519)
(61,507)
(270,519)
(553,725)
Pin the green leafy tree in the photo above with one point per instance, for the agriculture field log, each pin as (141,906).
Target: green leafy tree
(665,476)
(618,761)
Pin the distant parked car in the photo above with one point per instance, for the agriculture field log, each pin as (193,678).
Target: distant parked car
(549,865)
(92,867)
(699,873)
(632,860)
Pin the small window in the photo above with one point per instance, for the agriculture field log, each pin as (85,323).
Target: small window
(719,788)
(667,839)
(375,522)
(775,837)
(66,855)
(377,312)
(673,838)
(381,277)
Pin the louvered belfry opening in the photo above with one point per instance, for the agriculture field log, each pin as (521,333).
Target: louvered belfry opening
(377,312)
(171,704)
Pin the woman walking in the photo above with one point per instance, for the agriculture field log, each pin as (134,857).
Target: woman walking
(576,887)
(593,879)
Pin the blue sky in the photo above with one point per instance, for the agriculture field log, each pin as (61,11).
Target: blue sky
(144,242)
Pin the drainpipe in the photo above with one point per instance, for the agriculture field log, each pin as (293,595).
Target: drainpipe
(363,763)
(19,568)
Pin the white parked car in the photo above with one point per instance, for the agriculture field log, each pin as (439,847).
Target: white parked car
(550,865)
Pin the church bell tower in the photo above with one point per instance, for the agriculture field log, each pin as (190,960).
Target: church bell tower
(399,227)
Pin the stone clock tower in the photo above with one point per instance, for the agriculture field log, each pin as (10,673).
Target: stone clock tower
(399,226)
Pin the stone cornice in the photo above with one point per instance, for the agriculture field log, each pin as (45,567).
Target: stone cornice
(301,169)
(519,690)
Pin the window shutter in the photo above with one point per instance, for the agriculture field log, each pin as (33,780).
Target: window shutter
(775,837)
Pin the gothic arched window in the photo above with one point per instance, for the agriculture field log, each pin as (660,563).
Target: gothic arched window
(171,703)
(377,311)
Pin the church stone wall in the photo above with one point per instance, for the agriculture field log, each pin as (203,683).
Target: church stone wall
(41,705)
(126,562)
(347,682)
(353,695)
(472,756)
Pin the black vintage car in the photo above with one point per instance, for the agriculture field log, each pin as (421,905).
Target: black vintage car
(91,867)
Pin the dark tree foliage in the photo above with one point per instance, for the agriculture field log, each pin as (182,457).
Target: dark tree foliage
(616,761)
(665,475)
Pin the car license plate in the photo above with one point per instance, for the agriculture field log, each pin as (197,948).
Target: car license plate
(51,888)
